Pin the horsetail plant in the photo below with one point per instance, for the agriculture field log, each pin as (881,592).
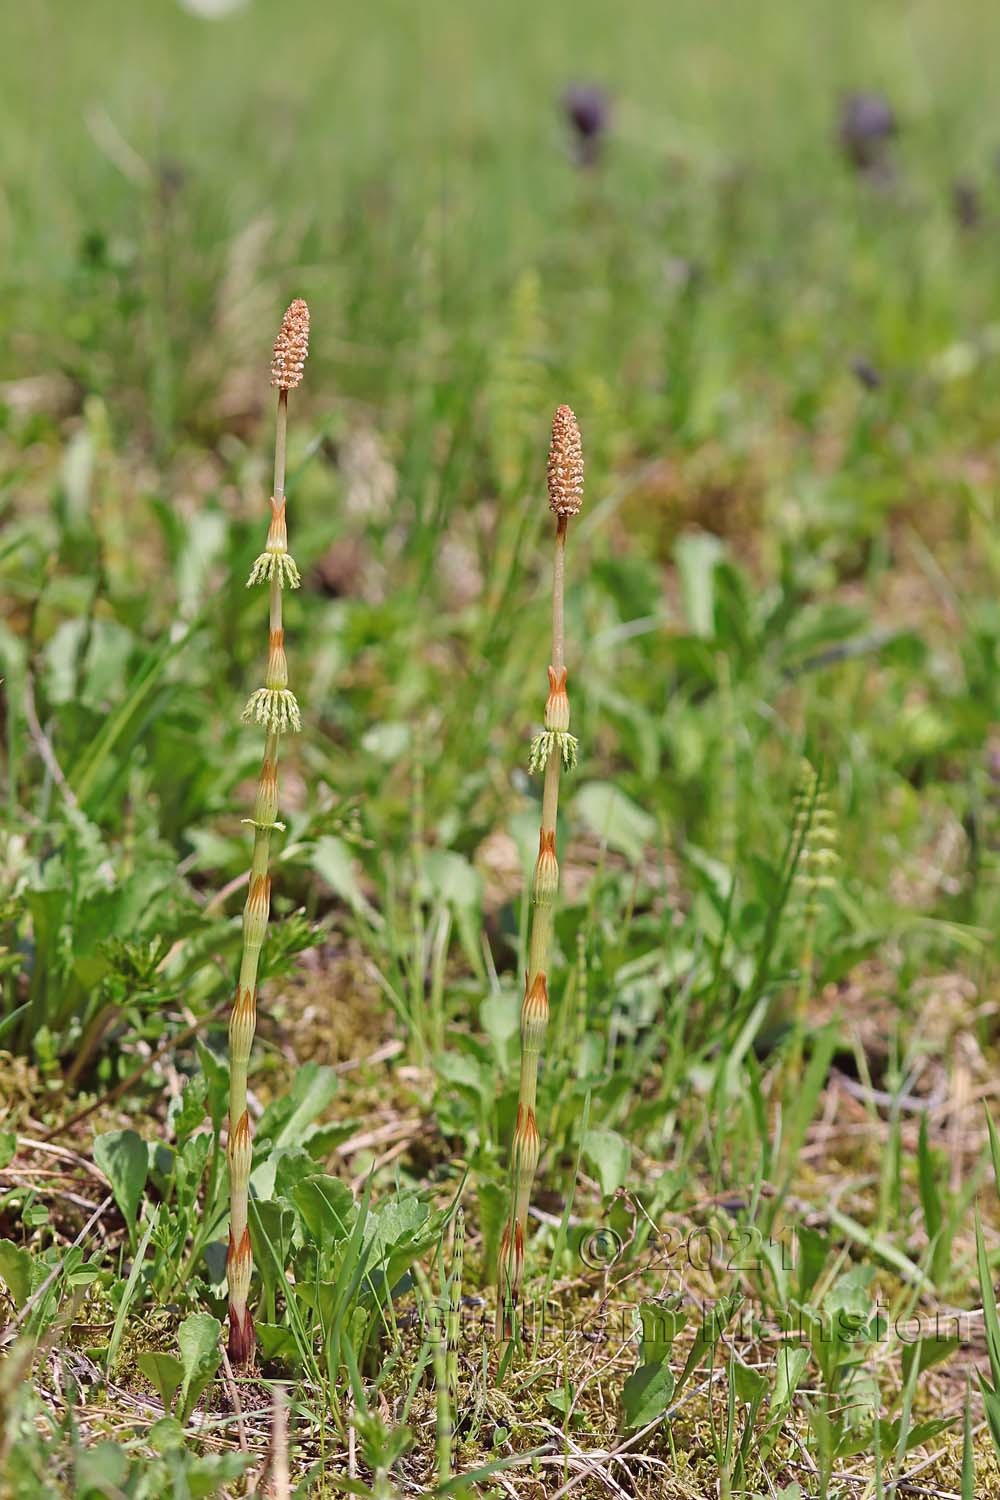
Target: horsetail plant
(436,1344)
(815,836)
(551,750)
(274,706)
(454,1330)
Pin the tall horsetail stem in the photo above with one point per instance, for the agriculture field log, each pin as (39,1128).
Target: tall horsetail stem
(553,749)
(275,707)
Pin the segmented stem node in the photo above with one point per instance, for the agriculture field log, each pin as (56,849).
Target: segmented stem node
(276,562)
(557,703)
(511,1268)
(534,1013)
(239,1266)
(278,566)
(275,708)
(546,869)
(241,1149)
(527,1147)
(816,834)
(242,1023)
(242,1344)
(552,742)
(256,911)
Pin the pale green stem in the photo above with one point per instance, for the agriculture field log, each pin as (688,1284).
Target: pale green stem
(438,1341)
(796,1050)
(455,1298)
(534,1010)
(558,587)
(728,798)
(280,435)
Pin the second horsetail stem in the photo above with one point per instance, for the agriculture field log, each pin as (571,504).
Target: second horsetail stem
(551,751)
(275,707)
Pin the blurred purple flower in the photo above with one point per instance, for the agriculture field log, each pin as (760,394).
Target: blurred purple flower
(865,373)
(867,124)
(588,111)
(965,203)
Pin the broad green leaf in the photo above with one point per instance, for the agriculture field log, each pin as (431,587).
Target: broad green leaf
(493,1203)
(276,1341)
(335,862)
(129,718)
(291,1166)
(927,1352)
(272,1224)
(387,741)
(750,1385)
(560,1400)
(327,1207)
(500,1018)
(791,1363)
(164,1372)
(697,555)
(213,1474)
(62,655)
(813,1253)
(289,1120)
(204,538)
(100,1470)
(464,1072)
(105,668)
(166,1435)
(393,1222)
(123,1158)
(713,1325)
(451,878)
(614,818)
(198,1340)
(896,1435)
(610,1156)
(661,1323)
(15,1271)
(646,1394)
